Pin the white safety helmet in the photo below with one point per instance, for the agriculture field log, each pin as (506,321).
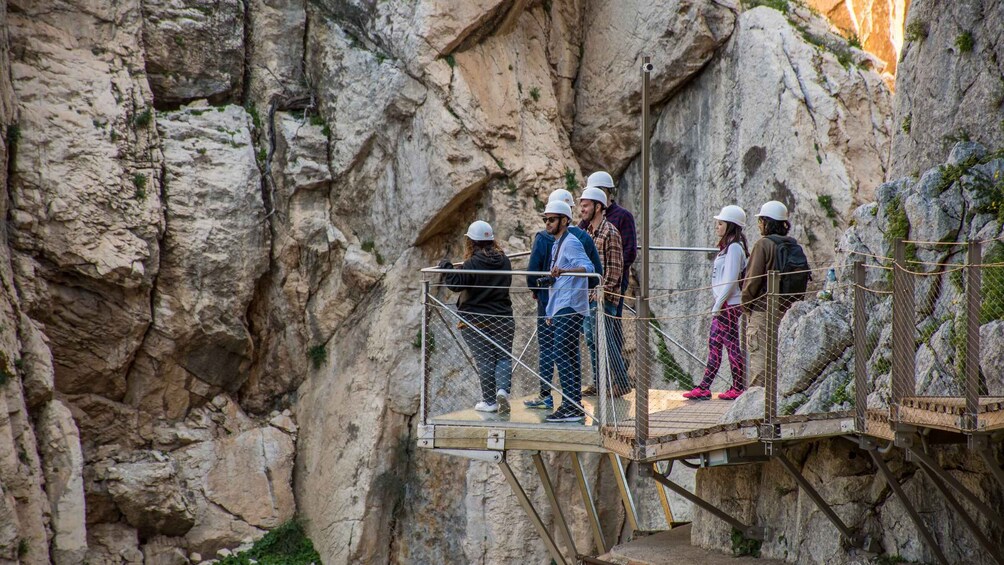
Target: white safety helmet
(562,195)
(774,210)
(734,214)
(593,193)
(600,179)
(558,207)
(481,231)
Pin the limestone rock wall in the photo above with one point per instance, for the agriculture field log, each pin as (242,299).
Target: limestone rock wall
(214,213)
(772,117)
(846,478)
(950,84)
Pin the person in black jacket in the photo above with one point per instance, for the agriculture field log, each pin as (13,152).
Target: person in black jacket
(488,326)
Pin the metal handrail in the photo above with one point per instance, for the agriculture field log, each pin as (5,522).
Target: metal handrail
(437,270)
(521,254)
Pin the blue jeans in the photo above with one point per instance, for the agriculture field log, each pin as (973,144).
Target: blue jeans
(545,346)
(567,326)
(493,362)
(615,343)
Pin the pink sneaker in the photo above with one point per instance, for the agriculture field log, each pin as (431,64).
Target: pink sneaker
(730,394)
(698,394)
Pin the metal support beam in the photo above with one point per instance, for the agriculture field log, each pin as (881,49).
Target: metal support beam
(629,507)
(927,462)
(856,540)
(664,497)
(904,347)
(545,479)
(769,430)
(860,348)
(587,499)
(475,454)
(642,373)
(990,548)
(995,469)
(751,532)
(972,369)
(531,513)
(898,491)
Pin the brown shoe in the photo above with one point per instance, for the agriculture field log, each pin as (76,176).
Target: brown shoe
(589,391)
(620,390)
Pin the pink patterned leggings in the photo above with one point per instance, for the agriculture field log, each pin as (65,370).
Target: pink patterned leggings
(725,332)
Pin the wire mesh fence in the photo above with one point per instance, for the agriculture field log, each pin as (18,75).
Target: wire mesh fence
(506,367)
(919,341)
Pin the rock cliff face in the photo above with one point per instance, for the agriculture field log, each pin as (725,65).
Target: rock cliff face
(214,211)
(950,86)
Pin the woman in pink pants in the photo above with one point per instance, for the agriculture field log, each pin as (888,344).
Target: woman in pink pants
(730,263)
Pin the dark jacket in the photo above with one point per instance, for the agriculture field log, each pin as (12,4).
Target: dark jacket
(540,258)
(482,294)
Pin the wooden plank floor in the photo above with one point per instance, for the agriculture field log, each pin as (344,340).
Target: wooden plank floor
(521,417)
(947,412)
(679,426)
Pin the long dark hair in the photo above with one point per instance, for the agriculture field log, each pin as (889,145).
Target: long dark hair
(487,247)
(775,227)
(733,234)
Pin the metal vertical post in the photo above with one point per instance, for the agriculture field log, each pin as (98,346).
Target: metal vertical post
(602,376)
(769,431)
(860,348)
(973,336)
(903,328)
(641,387)
(426,368)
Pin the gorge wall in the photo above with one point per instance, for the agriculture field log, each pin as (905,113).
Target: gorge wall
(214,211)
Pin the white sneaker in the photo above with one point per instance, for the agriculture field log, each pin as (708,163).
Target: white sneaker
(485,407)
(502,399)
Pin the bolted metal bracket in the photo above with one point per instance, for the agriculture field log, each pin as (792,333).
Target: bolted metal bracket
(426,436)
(496,439)
(475,454)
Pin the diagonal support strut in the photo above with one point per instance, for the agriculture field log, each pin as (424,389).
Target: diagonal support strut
(531,513)
(856,540)
(751,532)
(898,490)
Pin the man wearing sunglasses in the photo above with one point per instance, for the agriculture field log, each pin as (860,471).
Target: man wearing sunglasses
(540,260)
(567,304)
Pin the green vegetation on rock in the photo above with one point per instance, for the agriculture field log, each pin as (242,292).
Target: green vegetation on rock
(285,545)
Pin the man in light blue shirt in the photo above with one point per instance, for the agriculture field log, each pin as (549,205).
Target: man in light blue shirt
(568,302)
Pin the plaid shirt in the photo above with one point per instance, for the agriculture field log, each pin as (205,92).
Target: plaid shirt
(608,243)
(624,222)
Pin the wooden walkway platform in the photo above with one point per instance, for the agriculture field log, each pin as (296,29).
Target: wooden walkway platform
(679,427)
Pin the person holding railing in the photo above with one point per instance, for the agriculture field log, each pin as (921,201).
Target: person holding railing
(540,258)
(567,304)
(726,280)
(592,204)
(488,326)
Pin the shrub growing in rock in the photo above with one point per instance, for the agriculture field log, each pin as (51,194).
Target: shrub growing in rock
(285,545)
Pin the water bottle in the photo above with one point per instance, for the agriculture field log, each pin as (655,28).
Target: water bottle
(829,285)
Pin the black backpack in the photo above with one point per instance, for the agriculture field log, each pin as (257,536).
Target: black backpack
(790,261)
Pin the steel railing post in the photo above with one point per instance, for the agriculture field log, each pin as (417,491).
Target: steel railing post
(972,375)
(903,328)
(426,366)
(769,431)
(860,348)
(641,386)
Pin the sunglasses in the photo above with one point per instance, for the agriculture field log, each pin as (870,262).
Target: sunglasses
(551,219)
